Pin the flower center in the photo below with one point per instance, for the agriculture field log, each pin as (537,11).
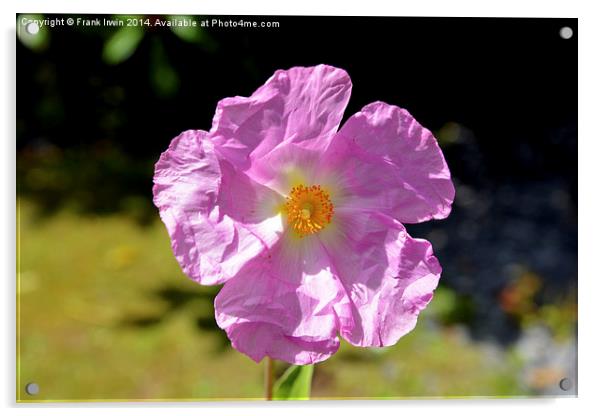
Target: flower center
(308,209)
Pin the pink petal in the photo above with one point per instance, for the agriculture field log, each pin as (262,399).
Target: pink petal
(287,165)
(388,276)
(254,208)
(300,104)
(282,304)
(388,162)
(258,340)
(211,237)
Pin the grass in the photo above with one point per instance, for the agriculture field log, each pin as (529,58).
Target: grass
(106,314)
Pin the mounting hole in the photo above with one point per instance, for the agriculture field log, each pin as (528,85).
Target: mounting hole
(566,32)
(32,28)
(32,389)
(566,384)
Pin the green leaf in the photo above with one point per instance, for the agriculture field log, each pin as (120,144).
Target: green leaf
(295,383)
(163,77)
(122,44)
(187,33)
(196,35)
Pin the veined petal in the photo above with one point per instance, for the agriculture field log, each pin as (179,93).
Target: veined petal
(388,280)
(388,162)
(258,340)
(301,105)
(282,304)
(253,207)
(211,237)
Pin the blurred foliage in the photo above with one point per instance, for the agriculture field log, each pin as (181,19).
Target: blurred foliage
(163,76)
(194,35)
(560,318)
(122,44)
(520,300)
(98,179)
(451,308)
(518,297)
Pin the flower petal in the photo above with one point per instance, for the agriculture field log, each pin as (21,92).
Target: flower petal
(282,304)
(211,237)
(388,162)
(258,340)
(300,104)
(288,165)
(389,278)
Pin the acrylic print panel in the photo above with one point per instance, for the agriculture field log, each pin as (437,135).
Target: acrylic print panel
(208,210)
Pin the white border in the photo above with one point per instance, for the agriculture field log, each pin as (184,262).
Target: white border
(590,200)
(507,8)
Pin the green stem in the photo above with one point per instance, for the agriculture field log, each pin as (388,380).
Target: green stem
(269,378)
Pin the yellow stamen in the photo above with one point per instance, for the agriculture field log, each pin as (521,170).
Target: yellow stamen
(308,209)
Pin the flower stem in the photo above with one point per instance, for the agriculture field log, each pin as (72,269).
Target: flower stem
(269,378)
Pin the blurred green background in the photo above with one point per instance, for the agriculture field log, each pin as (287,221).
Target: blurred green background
(105,312)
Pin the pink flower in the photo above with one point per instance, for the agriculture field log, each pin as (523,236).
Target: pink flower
(303,223)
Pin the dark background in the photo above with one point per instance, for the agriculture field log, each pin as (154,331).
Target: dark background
(499,94)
